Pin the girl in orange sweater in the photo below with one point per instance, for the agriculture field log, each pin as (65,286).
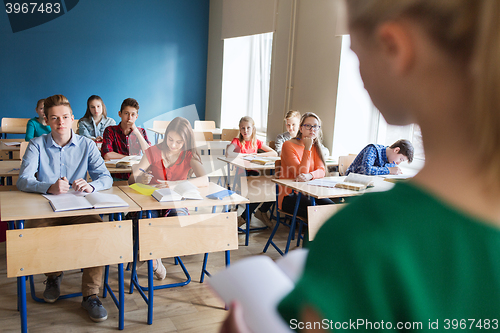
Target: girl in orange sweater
(301,159)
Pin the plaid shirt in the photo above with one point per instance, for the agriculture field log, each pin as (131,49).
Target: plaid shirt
(115,140)
(372,160)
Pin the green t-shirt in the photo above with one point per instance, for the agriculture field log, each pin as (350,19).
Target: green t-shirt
(401,256)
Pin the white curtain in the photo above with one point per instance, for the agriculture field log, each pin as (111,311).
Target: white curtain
(245,81)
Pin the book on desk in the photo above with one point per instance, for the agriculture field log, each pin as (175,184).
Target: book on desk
(182,191)
(354,182)
(124,162)
(73,200)
(268,160)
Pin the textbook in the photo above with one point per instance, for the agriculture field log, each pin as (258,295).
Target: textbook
(181,191)
(265,160)
(124,162)
(220,195)
(73,200)
(259,284)
(356,182)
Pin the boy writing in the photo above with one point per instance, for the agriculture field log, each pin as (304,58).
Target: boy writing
(117,140)
(382,160)
(54,163)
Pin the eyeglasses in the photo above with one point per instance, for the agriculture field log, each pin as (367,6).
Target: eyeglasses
(311,127)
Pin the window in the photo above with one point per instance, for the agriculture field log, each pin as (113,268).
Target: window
(245,80)
(357,120)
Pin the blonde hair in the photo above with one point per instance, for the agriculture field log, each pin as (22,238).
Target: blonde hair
(253,138)
(319,136)
(292,114)
(469,31)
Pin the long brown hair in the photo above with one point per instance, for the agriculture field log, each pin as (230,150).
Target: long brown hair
(319,135)
(88,114)
(182,127)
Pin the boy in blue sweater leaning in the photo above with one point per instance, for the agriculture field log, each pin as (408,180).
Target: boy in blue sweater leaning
(382,160)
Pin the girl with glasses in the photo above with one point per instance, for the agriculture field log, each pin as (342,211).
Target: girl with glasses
(302,160)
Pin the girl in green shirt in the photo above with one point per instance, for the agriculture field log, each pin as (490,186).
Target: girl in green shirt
(37,126)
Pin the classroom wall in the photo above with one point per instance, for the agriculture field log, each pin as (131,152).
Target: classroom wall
(305,63)
(306,41)
(154,51)
(214,63)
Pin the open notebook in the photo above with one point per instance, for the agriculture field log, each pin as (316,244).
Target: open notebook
(73,200)
(123,162)
(259,284)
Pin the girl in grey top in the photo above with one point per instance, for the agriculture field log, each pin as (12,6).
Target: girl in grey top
(95,120)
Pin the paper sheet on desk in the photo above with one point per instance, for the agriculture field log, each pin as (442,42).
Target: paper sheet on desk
(323,182)
(143,189)
(12,143)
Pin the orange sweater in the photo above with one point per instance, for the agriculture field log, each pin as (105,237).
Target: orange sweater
(294,161)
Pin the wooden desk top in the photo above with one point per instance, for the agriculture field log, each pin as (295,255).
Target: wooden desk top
(320,192)
(13,130)
(160,131)
(147,202)
(244,164)
(10,148)
(9,168)
(17,205)
(216,131)
(248,165)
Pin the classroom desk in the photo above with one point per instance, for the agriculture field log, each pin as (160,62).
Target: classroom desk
(209,147)
(214,131)
(159,132)
(9,168)
(319,192)
(12,130)
(18,206)
(10,149)
(148,203)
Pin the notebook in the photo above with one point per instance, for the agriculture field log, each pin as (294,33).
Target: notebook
(181,191)
(73,200)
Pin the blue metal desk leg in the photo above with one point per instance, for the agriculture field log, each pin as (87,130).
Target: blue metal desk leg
(294,221)
(150,292)
(121,290)
(228,176)
(21,289)
(21,283)
(247,231)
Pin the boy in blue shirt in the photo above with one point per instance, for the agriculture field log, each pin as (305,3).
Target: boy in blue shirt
(382,160)
(52,164)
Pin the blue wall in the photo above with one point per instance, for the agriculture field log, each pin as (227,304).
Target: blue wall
(154,51)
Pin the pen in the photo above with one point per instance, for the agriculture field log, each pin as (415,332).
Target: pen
(141,169)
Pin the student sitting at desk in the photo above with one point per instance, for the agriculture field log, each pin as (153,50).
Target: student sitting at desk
(248,144)
(382,160)
(54,163)
(95,120)
(301,159)
(125,138)
(37,126)
(168,163)
(292,120)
